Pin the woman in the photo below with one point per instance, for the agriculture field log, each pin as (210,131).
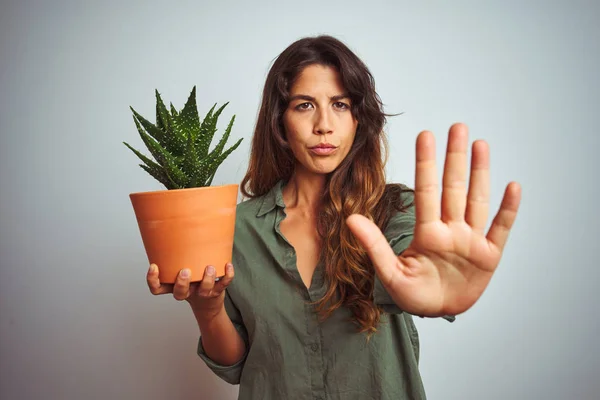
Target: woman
(330,262)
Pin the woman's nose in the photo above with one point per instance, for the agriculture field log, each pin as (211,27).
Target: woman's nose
(323,123)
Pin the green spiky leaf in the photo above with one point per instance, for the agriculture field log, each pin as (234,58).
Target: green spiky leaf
(164,158)
(184,126)
(203,140)
(221,145)
(212,167)
(160,175)
(142,157)
(152,129)
(188,119)
(180,143)
(191,164)
(163,118)
(207,131)
(177,138)
(146,139)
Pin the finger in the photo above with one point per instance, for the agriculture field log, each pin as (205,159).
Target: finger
(208,282)
(454,193)
(181,290)
(498,233)
(226,280)
(478,199)
(427,202)
(376,245)
(154,284)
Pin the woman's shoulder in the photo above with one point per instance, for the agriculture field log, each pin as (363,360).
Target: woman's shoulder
(401,209)
(400,198)
(248,208)
(251,222)
(257,206)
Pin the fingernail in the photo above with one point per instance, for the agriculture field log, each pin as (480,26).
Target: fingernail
(229,268)
(152,268)
(185,273)
(210,270)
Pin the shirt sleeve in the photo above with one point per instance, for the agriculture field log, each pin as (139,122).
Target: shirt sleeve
(229,373)
(399,233)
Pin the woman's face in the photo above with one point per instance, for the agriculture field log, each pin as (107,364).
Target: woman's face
(318,122)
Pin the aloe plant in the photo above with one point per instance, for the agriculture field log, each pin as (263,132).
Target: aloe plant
(180,143)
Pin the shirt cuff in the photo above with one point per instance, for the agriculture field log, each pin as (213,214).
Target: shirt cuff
(229,373)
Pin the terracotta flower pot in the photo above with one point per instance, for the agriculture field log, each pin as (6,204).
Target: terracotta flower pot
(187,228)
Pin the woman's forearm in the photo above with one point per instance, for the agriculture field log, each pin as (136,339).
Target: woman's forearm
(221,341)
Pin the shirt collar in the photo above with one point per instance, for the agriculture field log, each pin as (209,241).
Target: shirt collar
(272,199)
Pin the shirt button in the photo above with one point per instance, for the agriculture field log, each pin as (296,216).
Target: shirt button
(314,347)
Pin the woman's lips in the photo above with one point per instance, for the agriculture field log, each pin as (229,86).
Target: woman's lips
(323,151)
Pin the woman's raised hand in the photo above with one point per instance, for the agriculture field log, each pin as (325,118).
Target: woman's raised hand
(450,260)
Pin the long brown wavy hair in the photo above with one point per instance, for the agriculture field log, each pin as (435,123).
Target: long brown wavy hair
(358,184)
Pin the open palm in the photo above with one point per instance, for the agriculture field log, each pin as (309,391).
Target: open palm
(451,259)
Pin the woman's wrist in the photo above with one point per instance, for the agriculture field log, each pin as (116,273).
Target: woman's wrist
(206,316)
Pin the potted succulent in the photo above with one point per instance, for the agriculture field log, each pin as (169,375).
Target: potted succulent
(191,223)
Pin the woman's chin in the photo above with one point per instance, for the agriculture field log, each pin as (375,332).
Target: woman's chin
(322,167)
(324,170)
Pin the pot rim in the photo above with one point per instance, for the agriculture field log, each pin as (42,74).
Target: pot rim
(164,192)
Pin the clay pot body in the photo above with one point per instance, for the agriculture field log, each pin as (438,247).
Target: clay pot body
(187,228)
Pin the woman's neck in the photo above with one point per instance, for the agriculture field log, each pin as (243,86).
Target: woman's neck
(303,191)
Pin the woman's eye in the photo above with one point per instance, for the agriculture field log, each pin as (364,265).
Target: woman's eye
(304,106)
(340,105)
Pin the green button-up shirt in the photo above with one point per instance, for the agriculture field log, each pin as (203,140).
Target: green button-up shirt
(290,353)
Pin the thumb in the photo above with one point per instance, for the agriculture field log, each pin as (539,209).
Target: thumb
(378,249)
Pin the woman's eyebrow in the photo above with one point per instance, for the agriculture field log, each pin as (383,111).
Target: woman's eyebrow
(310,98)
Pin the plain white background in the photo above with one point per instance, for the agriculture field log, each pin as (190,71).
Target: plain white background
(76,318)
